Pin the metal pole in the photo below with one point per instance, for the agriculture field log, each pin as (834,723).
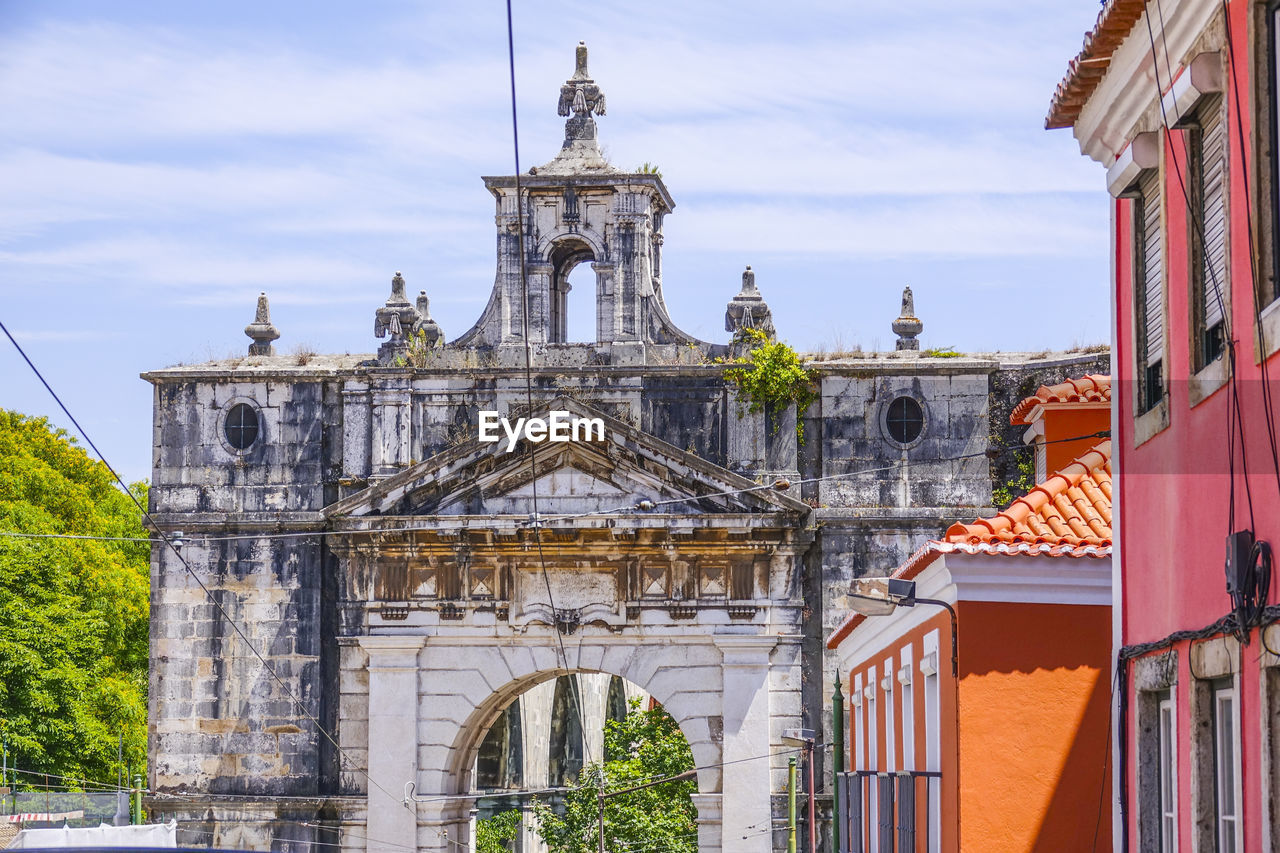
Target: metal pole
(837,758)
(137,801)
(600,816)
(791,804)
(813,823)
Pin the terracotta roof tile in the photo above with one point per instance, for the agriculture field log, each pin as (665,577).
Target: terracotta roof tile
(1070,508)
(1068,515)
(1085,72)
(1094,388)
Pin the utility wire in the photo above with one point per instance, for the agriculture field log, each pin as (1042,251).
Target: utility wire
(194,576)
(777,485)
(1235,419)
(575,690)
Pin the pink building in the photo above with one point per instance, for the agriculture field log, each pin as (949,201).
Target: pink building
(1178,100)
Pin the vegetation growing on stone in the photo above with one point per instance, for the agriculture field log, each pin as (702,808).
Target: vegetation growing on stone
(772,377)
(1022,478)
(942,352)
(73,613)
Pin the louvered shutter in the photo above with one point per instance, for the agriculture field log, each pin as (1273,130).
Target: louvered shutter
(1152,273)
(1214,158)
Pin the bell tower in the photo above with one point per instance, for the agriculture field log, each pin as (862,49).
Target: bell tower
(578,208)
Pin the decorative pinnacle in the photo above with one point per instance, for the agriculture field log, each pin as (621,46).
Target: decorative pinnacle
(908,325)
(260,331)
(580,97)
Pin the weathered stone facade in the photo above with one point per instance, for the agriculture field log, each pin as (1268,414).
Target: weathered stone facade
(391,567)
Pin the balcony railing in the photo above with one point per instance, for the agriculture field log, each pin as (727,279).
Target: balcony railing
(886,812)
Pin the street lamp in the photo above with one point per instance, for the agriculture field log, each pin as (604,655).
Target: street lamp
(882,596)
(806,738)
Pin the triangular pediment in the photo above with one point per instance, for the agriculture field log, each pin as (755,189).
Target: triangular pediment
(618,473)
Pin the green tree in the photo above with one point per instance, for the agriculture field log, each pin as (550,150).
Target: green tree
(644,747)
(494,834)
(73,612)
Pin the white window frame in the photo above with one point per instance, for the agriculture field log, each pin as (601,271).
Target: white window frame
(932,734)
(1224,703)
(890,729)
(859,730)
(907,698)
(873,760)
(1167,756)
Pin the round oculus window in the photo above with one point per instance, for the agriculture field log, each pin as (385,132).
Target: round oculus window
(241,427)
(904,420)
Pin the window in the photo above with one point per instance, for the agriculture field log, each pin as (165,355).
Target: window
(1226,767)
(1270,285)
(1157,760)
(241,427)
(1148,291)
(908,712)
(904,420)
(1207,220)
(890,736)
(1167,758)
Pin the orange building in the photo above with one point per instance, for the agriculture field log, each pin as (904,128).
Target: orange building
(977,718)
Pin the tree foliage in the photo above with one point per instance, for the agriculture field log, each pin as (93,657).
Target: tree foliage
(73,613)
(494,834)
(646,746)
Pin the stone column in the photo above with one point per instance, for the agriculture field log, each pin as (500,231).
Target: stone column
(745,800)
(607,320)
(391,427)
(355,430)
(711,832)
(746,435)
(539,277)
(393,738)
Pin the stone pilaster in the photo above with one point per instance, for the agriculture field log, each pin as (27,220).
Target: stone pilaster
(746,747)
(393,735)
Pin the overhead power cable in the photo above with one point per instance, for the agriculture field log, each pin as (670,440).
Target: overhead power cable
(288,691)
(575,690)
(643,506)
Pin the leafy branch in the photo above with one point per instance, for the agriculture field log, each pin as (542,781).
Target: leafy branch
(772,377)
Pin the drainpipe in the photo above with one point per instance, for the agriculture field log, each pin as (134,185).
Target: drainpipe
(791,804)
(837,759)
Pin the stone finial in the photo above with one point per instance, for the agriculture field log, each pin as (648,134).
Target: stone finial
(580,96)
(398,318)
(580,101)
(748,309)
(260,331)
(908,325)
(429,328)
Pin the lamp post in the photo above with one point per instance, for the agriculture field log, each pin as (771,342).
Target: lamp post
(807,739)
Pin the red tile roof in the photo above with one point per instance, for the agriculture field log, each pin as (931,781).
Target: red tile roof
(1094,388)
(1085,72)
(1068,515)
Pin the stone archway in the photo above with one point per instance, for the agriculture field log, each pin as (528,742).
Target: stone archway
(453,604)
(564,255)
(714,686)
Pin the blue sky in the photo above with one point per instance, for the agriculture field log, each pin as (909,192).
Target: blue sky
(160,164)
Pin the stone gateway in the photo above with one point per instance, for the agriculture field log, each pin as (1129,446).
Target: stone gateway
(413,539)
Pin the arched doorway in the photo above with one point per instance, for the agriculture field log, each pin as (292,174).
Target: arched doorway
(572,318)
(558,736)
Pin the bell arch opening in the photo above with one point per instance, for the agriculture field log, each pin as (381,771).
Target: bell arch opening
(552,744)
(573,294)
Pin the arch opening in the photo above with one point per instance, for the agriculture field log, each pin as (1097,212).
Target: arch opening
(565,732)
(573,293)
